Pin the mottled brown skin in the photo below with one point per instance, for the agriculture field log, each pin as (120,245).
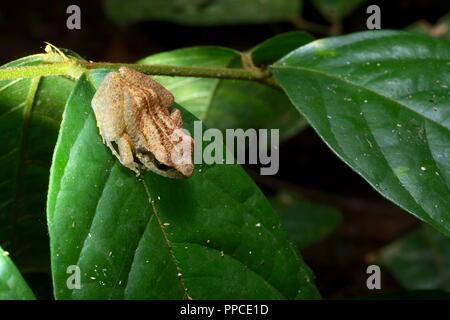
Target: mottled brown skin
(132,110)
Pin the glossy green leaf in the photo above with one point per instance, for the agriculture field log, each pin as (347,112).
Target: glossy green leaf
(30,112)
(226,104)
(381,102)
(211,236)
(278,46)
(203,12)
(419,260)
(336,10)
(305,222)
(12,285)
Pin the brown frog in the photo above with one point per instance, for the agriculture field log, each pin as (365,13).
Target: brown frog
(132,111)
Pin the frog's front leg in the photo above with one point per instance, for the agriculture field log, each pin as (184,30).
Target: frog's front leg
(126,153)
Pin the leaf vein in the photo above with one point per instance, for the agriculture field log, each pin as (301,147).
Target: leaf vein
(168,243)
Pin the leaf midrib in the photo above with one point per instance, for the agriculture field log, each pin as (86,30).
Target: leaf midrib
(339,79)
(336,78)
(235,260)
(167,242)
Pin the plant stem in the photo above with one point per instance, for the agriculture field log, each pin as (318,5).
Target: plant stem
(183,71)
(75,68)
(52,69)
(336,27)
(306,25)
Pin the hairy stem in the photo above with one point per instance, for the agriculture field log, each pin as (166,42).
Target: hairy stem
(76,68)
(52,69)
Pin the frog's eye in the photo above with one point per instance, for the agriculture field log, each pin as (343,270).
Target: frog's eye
(144,155)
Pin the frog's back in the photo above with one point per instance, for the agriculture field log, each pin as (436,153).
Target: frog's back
(142,80)
(108,107)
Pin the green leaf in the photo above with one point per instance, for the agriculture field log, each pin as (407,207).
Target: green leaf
(30,112)
(203,12)
(381,101)
(336,10)
(226,104)
(212,236)
(419,260)
(305,222)
(12,285)
(278,46)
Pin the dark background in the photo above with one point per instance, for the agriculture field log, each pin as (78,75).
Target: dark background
(307,166)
